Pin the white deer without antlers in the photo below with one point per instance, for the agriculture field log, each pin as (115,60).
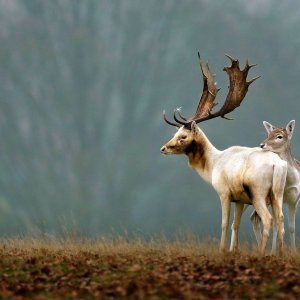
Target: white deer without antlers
(279,141)
(239,174)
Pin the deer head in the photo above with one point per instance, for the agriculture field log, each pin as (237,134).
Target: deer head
(183,140)
(187,128)
(279,139)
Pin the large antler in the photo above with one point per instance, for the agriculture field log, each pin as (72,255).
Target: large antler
(209,92)
(238,88)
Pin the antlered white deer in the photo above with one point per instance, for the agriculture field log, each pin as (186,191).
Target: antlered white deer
(238,174)
(279,141)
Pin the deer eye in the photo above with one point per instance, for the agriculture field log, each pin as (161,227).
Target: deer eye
(280,137)
(183,137)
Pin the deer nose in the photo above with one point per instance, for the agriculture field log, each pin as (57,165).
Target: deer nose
(162,150)
(262,146)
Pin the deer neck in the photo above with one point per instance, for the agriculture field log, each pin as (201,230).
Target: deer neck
(287,155)
(202,155)
(293,170)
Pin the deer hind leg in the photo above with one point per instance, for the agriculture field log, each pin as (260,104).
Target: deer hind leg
(238,211)
(291,217)
(260,206)
(277,212)
(255,219)
(274,238)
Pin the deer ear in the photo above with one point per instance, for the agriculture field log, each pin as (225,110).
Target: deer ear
(290,128)
(194,127)
(269,127)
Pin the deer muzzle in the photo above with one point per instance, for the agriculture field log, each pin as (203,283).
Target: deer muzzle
(262,146)
(163,149)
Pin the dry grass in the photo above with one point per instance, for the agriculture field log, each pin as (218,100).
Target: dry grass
(111,268)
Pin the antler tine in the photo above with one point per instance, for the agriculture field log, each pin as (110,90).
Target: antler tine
(181,116)
(178,110)
(177,120)
(233,60)
(167,121)
(238,88)
(249,66)
(252,80)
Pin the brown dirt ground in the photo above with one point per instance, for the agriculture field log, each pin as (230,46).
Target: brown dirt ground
(117,269)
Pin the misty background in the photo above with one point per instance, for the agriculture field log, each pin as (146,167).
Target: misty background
(82,88)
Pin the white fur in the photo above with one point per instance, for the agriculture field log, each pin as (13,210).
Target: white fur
(229,171)
(292,188)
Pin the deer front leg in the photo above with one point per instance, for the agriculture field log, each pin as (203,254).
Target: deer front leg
(225,204)
(238,211)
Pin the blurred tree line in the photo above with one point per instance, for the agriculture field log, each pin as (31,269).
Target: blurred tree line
(83,85)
